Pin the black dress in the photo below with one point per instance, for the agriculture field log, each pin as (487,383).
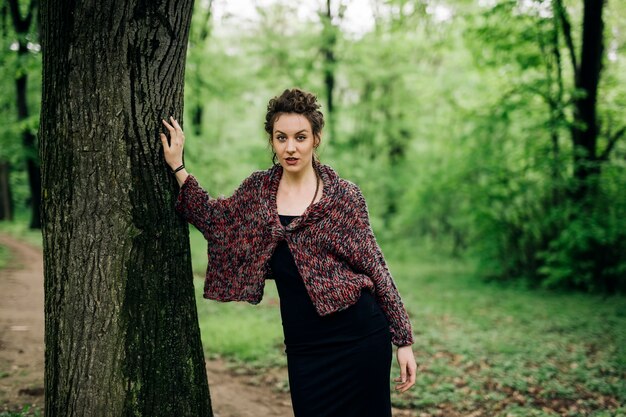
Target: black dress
(339,364)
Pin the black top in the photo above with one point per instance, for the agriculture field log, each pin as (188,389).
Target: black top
(303,327)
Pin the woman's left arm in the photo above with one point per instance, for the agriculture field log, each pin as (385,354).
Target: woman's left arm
(369,259)
(366,257)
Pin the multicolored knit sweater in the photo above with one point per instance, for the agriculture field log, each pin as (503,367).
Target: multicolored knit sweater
(332,244)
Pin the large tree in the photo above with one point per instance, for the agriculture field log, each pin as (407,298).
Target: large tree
(122,334)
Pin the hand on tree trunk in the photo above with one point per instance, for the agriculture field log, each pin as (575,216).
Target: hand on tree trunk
(173,151)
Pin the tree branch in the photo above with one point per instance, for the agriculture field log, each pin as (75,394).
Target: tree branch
(15,15)
(31,9)
(21,25)
(612,141)
(567,32)
(206,27)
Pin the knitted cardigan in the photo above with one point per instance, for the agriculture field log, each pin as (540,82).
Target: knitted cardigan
(332,243)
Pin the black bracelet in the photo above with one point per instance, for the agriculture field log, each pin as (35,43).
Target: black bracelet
(178,169)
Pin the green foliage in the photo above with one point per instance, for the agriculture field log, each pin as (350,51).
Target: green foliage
(497,349)
(589,253)
(4,256)
(25,411)
(19,228)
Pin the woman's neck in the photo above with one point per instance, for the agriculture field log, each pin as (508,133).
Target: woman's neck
(300,180)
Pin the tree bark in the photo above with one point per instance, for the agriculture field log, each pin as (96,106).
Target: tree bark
(122,335)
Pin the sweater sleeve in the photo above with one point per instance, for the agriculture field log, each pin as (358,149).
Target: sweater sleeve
(207,213)
(196,206)
(369,258)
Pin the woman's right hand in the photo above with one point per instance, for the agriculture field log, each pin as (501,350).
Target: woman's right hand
(174,151)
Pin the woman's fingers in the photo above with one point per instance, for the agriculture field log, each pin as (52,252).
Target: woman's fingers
(178,128)
(403,386)
(411,371)
(408,369)
(179,131)
(176,133)
(172,149)
(175,130)
(169,126)
(409,378)
(164,141)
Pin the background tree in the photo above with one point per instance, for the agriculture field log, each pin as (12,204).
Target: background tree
(122,334)
(541,203)
(586,70)
(21,25)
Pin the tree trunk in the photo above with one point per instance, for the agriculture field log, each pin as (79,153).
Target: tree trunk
(585,128)
(6,200)
(30,150)
(329,42)
(122,335)
(198,41)
(22,27)
(328,50)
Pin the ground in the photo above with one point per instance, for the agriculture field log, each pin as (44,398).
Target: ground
(233,394)
(22,349)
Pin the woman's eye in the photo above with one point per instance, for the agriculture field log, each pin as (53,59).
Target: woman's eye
(301,137)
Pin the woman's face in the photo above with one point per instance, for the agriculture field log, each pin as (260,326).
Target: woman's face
(293,142)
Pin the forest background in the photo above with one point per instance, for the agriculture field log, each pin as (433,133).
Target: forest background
(457,119)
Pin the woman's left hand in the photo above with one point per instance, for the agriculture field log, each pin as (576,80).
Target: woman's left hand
(408,368)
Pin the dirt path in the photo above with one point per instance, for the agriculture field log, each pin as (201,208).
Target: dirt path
(21,326)
(22,349)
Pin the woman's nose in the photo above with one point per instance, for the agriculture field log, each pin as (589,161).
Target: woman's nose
(291,145)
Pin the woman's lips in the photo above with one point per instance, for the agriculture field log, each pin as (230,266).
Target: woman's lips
(291,161)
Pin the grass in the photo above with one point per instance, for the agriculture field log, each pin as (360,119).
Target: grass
(4,257)
(479,346)
(19,228)
(25,411)
(503,349)
(499,350)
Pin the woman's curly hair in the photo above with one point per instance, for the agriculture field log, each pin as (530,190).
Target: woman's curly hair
(295,101)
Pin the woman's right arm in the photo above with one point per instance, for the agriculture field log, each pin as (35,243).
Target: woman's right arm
(196,206)
(181,176)
(192,202)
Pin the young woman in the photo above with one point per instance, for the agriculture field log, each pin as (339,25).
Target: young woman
(302,225)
